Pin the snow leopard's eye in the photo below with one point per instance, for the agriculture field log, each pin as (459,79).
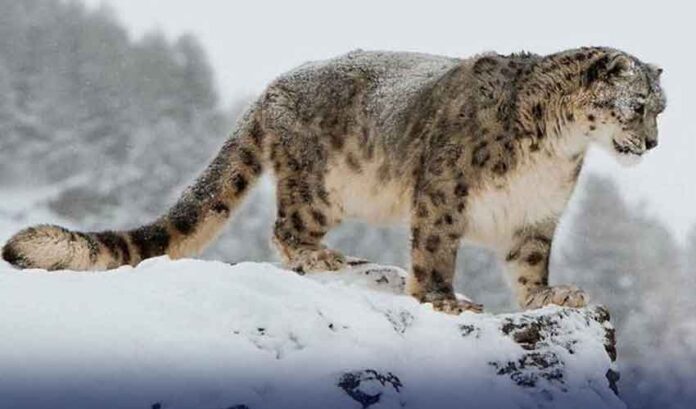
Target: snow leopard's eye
(639,108)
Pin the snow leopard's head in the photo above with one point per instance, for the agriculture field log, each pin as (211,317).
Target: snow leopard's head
(623,100)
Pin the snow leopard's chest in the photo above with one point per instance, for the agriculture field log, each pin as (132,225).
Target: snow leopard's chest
(538,191)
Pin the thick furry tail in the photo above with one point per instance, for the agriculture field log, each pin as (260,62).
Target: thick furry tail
(194,221)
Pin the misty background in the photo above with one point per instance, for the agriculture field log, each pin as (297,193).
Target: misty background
(104,119)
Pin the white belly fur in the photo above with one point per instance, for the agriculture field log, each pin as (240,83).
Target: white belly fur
(362,195)
(538,191)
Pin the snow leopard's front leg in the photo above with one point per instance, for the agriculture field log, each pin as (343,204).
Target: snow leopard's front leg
(436,228)
(528,262)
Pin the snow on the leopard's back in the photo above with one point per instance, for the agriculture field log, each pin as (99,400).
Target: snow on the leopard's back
(199,334)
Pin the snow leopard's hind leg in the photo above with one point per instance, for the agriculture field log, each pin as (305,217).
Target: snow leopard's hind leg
(305,213)
(300,226)
(308,136)
(528,262)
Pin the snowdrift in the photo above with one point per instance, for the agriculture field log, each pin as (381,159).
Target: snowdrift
(207,335)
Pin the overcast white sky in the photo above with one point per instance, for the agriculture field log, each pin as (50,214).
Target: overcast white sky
(250,42)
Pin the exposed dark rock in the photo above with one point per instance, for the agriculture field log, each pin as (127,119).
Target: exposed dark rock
(400,320)
(536,333)
(468,329)
(355,383)
(613,377)
(526,335)
(531,367)
(601,315)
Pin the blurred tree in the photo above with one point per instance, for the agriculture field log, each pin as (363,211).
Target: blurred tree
(625,259)
(85,106)
(690,256)
(196,76)
(662,377)
(8,115)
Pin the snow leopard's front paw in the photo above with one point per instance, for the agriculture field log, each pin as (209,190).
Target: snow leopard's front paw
(454,306)
(311,261)
(563,295)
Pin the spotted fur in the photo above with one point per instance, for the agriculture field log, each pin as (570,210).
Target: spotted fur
(486,149)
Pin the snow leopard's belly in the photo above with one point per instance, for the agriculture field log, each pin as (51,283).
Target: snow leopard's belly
(495,211)
(367,195)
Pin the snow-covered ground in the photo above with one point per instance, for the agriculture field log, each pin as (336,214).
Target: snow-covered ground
(200,334)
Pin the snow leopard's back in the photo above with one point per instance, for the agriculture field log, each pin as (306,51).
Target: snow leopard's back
(391,81)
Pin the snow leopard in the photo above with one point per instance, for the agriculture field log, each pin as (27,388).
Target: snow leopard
(485,149)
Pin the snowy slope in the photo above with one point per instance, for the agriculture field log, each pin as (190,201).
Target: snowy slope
(196,334)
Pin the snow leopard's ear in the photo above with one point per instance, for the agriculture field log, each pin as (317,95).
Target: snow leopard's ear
(609,67)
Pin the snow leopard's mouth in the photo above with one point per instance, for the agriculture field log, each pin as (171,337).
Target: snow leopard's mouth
(628,154)
(628,148)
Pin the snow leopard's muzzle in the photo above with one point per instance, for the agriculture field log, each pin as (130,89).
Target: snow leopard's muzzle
(637,137)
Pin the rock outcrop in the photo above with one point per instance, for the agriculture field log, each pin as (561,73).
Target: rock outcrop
(206,335)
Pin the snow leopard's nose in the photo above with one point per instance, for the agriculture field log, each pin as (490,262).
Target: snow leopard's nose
(650,143)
